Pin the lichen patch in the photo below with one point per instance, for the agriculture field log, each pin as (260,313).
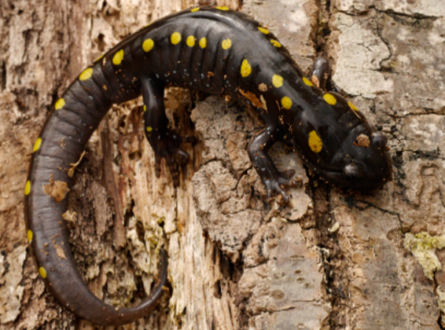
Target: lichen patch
(423,246)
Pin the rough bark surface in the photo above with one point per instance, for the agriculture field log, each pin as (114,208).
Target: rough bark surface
(328,260)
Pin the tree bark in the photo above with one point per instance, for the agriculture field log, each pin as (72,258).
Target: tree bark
(328,260)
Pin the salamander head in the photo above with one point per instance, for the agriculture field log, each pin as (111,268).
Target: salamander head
(352,157)
(362,163)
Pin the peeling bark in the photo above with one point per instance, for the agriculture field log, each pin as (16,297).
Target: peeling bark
(328,260)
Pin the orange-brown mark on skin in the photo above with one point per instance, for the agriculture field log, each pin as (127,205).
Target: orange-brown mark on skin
(252,98)
(62,143)
(363,141)
(262,87)
(59,250)
(73,166)
(263,101)
(56,189)
(315,81)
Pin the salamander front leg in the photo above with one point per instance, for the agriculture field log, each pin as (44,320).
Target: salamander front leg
(322,74)
(275,181)
(164,141)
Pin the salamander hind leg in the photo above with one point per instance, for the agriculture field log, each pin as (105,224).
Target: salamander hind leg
(274,180)
(164,141)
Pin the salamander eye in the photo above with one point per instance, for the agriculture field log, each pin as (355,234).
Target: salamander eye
(353,170)
(379,140)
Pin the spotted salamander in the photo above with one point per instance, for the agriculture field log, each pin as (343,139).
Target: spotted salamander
(217,51)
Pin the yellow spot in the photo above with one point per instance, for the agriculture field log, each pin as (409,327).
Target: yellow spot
(149,129)
(246,69)
(263,30)
(59,104)
(118,57)
(191,41)
(195,9)
(276,43)
(27,187)
(286,102)
(329,98)
(97,59)
(37,144)
(277,81)
(315,142)
(307,82)
(352,106)
(147,45)
(175,38)
(203,42)
(29,235)
(86,74)
(145,108)
(42,272)
(223,8)
(226,44)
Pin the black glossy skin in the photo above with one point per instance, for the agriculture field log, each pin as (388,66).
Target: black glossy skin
(211,69)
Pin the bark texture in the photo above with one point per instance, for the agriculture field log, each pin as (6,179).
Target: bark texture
(328,260)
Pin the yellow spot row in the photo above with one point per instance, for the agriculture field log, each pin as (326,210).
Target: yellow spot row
(191,41)
(86,74)
(307,82)
(42,272)
(118,57)
(277,81)
(352,106)
(37,144)
(59,104)
(263,30)
(203,43)
(315,142)
(226,43)
(27,187)
(286,102)
(147,45)
(219,8)
(276,43)
(175,38)
(330,99)
(246,69)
